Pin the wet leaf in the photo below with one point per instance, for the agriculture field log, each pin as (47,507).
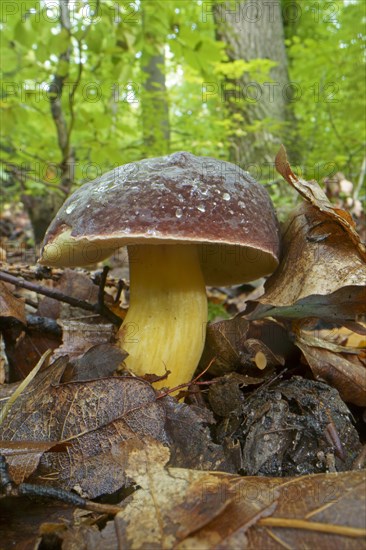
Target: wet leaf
(283,429)
(191,441)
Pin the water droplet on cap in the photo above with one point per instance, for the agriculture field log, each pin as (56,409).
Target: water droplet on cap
(178,213)
(70,208)
(201,208)
(226,197)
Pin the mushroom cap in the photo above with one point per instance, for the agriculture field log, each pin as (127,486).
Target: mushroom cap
(178,198)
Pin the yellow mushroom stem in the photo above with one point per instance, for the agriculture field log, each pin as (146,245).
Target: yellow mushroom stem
(165,326)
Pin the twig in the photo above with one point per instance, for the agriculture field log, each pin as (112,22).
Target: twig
(103,280)
(191,383)
(331,528)
(120,287)
(8,488)
(61,297)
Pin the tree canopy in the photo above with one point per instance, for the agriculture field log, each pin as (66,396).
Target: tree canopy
(78,88)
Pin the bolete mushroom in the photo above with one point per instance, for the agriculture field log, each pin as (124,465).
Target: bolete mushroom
(187,221)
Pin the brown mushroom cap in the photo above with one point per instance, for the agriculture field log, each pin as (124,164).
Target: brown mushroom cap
(178,198)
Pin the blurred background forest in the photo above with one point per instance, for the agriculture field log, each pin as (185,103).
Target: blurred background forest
(90,85)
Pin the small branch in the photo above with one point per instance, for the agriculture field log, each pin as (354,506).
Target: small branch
(9,488)
(20,173)
(103,280)
(121,286)
(61,297)
(72,94)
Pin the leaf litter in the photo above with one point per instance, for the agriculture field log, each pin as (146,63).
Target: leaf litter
(272,404)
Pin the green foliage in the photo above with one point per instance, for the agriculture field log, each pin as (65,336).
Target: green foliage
(216,311)
(100,59)
(325,47)
(103,84)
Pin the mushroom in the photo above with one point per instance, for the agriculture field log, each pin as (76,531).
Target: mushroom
(187,221)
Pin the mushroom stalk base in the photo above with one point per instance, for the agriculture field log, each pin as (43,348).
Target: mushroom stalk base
(165,326)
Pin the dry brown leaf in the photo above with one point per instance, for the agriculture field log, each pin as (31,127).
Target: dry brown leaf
(91,416)
(24,456)
(315,278)
(79,337)
(172,503)
(340,366)
(323,271)
(11,308)
(186,509)
(99,361)
(314,194)
(224,342)
(321,511)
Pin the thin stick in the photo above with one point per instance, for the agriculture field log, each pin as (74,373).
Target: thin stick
(187,384)
(60,296)
(288,523)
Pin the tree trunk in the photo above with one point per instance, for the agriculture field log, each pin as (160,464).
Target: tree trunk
(42,209)
(155,108)
(254,30)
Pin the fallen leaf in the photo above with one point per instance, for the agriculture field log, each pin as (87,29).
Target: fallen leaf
(340,366)
(283,429)
(71,283)
(25,456)
(315,278)
(190,439)
(319,511)
(91,416)
(97,362)
(171,504)
(224,342)
(340,306)
(314,194)
(11,308)
(78,337)
(21,519)
(185,509)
